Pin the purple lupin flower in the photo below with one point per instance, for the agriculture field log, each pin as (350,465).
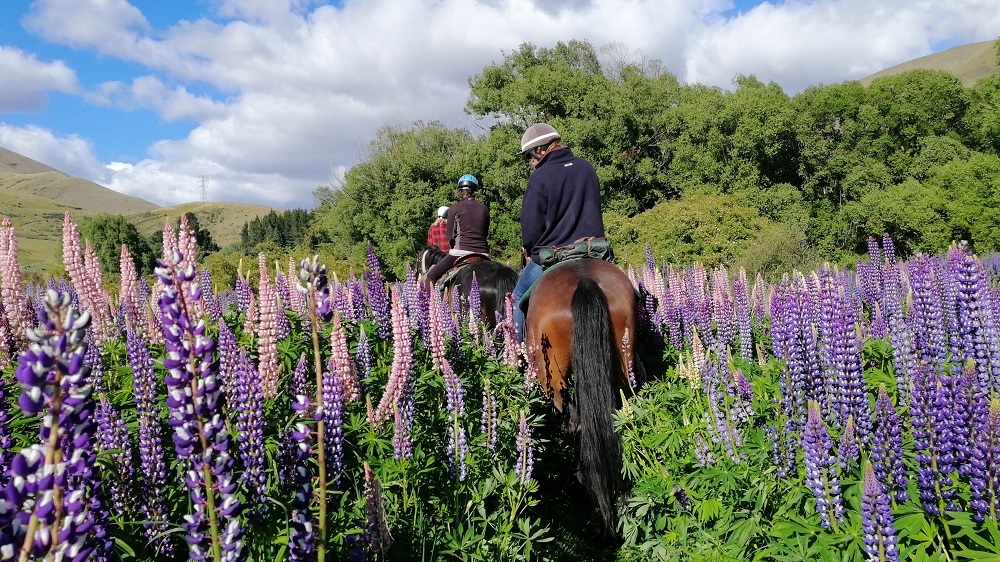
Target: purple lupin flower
(984,481)
(332,413)
(377,524)
(702,452)
(929,327)
(378,298)
(6,443)
(887,448)
(455,398)
(525,455)
(193,401)
(877,520)
(475,301)
(151,488)
(113,438)
(929,419)
(208,294)
(248,401)
(821,470)
(490,422)
(849,449)
(845,353)
(301,537)
(743,315)
(55,382)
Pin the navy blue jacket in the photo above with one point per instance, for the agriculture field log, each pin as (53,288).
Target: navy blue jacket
(562,202)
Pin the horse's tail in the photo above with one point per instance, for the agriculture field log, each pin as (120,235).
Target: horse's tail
(595,365)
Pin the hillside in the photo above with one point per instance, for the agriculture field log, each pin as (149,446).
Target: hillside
(36,196)
(223,220)
(970,63)
(21,174)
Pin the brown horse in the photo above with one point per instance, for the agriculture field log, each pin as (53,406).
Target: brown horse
(576,323)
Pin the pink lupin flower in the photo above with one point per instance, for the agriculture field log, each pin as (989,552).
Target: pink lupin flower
(72,254)
(298,300)
(267,328)
(343,365)
(436,328)
(128,295)
(511,347)
(169,239)
(251,319)
(11,288)
(96,298)
(187,244)
(402,360)
(154,323)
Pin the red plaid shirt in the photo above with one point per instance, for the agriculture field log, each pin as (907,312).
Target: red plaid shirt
(437,235)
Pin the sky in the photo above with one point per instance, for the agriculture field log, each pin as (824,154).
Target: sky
(262,101)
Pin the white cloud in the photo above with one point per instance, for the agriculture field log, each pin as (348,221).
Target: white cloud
(283,91)
(148,92)
(73,155)
(26,81)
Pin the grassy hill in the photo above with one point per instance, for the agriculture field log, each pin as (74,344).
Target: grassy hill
(36,196)
(223,220)
(970,63)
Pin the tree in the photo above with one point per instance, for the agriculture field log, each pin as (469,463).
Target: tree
(108,233)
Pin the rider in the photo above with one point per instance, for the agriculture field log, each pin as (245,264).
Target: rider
(468,226)
(561,204)
(437,234)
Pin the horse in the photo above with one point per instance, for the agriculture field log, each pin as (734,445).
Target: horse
(495,280)
(578,315)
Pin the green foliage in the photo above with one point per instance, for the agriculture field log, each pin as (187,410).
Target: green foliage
(832,164)
(108,233)
(713,229)
(285,230)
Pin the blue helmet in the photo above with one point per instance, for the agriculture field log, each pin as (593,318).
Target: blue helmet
(468,181)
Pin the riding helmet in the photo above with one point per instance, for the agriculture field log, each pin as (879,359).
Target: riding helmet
(442,212)
(468,181)
(539,134)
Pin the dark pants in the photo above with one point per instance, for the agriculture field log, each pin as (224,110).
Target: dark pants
(440,268)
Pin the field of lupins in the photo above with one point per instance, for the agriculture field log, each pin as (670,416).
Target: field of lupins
(835,415)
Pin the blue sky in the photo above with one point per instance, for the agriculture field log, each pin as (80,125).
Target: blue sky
(271,98)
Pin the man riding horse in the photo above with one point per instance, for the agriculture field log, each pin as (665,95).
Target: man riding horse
(561,205)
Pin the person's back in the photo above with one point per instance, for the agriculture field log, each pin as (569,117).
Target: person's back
(437,234)
(468,226)
(562,202)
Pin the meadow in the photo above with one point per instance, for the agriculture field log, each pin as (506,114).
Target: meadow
(838,414)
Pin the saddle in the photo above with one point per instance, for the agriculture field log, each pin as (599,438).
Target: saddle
(461,262)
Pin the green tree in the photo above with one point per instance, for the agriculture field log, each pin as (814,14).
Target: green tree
(108,233)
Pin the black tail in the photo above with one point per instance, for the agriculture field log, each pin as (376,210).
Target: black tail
(595,365)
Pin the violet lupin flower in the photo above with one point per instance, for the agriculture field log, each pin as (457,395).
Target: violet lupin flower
(59,521)
(248,400)
(930,440)
(821,470)
(298,478)
(984,481)
(887,448)
(151,491)
(490,421)
(742,302)
(332,412)
(378,298)
(194,401)
(457,444)
(212,305)
(929,327)
(525,455)
(112,437)
(702,451)
(877,521)
(375,509)
(849,449)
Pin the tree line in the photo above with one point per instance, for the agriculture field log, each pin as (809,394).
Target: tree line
(749,176)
